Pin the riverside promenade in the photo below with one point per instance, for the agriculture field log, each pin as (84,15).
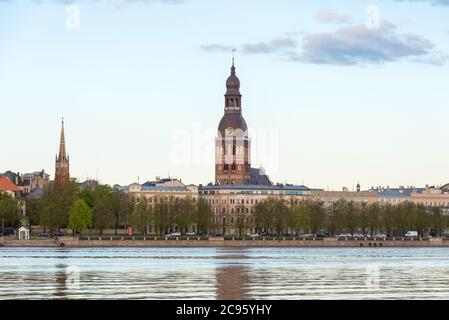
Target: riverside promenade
(111,242)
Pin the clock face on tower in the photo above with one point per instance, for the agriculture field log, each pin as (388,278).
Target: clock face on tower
(229,131)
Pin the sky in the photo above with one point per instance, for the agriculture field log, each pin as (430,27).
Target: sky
(334,92)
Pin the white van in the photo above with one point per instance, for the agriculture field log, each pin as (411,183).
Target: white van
(411,234)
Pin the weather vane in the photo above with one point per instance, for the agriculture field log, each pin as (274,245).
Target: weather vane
(233,55)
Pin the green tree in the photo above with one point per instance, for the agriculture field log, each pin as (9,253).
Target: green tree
(102,210)
(347,215)
(88,196)
(422,219)
(299,219)
(57,202)
(203,216)
(264,216)
(142,215)
(9,210)
(317,215)
(373,218)
(332,220)
(280,213)
(120,207)
(184,213)
(438,221)
(388,218)
(162,215)
(34,209)
(80,216)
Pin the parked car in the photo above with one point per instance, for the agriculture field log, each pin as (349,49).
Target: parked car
(191,234)
(9,231)
(255,235)
(213,234)
(322,235)
(44,235)
(358,235)
(57,234)
(308,235)
(411,234)
(344,235)
(175,234)
(380,235)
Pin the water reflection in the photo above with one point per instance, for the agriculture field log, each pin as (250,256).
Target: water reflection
(61,281)
(207,273)
(232,280)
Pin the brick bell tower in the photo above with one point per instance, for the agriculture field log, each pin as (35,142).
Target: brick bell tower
(232,145)
(62,172)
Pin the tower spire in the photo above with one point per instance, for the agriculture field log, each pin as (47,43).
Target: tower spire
(62,152)
(62,172)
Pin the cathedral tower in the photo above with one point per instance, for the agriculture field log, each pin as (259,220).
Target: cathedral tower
(232,145)
(62,173)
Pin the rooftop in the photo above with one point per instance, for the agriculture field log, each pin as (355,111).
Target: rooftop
(253,187)
(7,185)
(164,188)
(398,192)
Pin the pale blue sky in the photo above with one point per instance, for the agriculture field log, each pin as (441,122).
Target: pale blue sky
(341,105)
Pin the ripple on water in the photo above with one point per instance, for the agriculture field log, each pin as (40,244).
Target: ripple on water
(209,273)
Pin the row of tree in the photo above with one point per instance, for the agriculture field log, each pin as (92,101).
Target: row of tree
(69,206)
(348,216)
(102,207)
(167,215)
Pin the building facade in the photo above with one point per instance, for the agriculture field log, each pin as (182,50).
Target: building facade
(163,189)
(34,180)
(233,206)
(432,197)
(328,198)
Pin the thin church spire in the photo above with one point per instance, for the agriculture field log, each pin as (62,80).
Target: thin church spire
(62,151)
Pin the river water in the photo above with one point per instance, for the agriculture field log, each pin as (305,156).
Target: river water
(209,273)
